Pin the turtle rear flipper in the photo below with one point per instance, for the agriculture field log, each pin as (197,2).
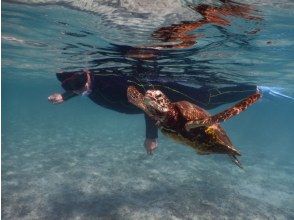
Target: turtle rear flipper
(226,114)
(215,140)
(236,161)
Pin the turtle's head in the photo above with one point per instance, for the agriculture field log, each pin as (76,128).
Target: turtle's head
(157,104)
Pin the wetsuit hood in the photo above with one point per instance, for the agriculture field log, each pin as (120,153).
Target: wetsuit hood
(71,81)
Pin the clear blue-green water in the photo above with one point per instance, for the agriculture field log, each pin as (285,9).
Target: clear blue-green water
(81,161)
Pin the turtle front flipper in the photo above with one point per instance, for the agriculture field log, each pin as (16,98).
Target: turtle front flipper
(136,98)
(225,115)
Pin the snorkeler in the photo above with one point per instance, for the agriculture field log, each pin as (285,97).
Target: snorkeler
(109,90)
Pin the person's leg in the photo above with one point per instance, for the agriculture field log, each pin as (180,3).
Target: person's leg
(207,97)
(229,94)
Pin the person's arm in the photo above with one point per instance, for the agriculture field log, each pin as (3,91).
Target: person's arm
(58,98)
(151,135)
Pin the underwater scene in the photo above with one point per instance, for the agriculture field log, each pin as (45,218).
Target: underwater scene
(128,109)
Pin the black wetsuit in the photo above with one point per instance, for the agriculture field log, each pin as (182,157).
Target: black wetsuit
(110,91)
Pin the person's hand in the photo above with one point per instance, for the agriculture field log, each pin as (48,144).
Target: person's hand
(55,98)
(150,145)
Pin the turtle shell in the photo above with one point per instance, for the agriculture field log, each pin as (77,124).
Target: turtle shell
(190,112)
(204,139)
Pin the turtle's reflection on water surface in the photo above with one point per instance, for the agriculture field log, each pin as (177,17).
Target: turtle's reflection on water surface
(179,36)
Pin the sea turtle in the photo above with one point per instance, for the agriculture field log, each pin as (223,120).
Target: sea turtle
(189,124)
